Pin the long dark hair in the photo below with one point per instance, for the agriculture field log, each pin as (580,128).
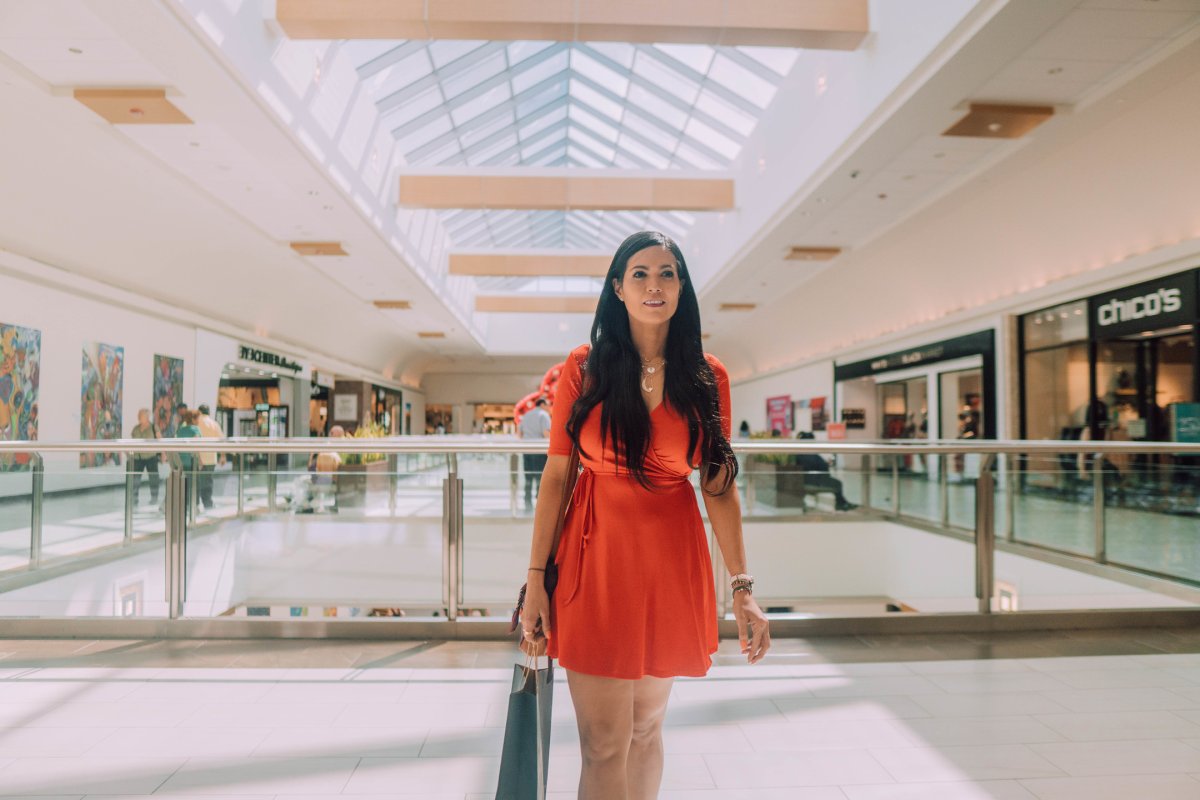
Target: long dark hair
(614,370)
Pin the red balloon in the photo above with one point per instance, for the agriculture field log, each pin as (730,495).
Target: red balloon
(525,405)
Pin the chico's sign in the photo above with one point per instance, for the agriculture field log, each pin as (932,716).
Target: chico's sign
(1147,306)
(1163,301)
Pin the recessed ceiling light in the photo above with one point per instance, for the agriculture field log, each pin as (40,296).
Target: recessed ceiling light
(939,155)
(737,306)
(75,50)
(882,196)
(193,144)
(1054,71)
(431,335)
(313,193)
(1000,121)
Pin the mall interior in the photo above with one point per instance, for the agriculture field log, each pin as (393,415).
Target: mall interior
(947,251)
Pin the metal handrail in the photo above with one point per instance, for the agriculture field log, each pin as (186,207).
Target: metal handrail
(443,445)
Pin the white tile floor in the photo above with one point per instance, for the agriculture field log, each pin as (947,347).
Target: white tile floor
(1093,727)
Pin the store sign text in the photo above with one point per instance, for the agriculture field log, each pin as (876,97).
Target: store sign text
(267,358)
(1163,301)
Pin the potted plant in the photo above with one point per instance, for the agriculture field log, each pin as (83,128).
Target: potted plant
(776,481)
(362,472)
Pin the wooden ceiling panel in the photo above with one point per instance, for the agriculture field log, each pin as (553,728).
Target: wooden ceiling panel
(536,304)
(529,264)
(585,192)
(133,106)
(812,24)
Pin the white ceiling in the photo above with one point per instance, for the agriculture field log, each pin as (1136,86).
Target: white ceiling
(199,216)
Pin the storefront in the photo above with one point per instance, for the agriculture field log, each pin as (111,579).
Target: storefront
(1123,365)
(259,394)
(942,390)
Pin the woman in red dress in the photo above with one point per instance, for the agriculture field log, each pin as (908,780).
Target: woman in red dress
(635,605)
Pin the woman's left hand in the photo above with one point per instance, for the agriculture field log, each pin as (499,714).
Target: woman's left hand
(753,629)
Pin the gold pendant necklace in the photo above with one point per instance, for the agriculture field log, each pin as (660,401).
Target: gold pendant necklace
(648,370)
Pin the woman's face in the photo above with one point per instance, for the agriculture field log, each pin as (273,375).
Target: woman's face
(651,286)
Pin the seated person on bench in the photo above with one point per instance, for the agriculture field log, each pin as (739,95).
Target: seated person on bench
(817,478)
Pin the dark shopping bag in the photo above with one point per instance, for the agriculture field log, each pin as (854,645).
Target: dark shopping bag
(525,759)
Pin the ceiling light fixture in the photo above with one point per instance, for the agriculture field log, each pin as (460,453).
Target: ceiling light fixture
(75,50)
(393,305)
(319,248)
(737,306)
(999,121)
(800,253)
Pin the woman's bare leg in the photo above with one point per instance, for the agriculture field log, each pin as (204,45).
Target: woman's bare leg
(604,711)
(645,765)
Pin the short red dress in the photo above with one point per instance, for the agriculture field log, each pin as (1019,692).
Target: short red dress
(635,593)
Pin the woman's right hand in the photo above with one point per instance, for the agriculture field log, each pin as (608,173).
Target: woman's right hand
(535,616)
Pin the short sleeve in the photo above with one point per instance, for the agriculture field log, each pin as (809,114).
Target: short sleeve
(566,392)
(722,393)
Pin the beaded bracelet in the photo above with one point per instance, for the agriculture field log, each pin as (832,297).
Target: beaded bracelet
(743,587)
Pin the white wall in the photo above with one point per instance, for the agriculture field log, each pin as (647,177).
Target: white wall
(66,321)
(748,399)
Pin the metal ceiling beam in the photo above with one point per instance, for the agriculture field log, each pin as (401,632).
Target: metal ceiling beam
(813,24)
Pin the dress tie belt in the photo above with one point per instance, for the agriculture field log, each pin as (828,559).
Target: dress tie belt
(584,500)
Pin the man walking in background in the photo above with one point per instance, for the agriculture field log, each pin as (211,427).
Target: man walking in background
(534,425)
(145,462)
(209,429)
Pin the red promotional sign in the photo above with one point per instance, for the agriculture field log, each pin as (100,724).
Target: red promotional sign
(779,414)
(835,430)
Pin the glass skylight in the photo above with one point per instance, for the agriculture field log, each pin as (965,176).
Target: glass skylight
(557,104)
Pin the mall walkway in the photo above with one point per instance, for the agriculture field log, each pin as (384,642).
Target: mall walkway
(1098,715)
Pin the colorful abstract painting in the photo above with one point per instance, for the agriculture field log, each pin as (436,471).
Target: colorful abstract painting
(168,393)
(20,365)
(100,399)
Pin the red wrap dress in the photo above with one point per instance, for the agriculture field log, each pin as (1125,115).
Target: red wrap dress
(635,592)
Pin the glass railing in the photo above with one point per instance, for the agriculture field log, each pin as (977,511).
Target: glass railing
(438,529)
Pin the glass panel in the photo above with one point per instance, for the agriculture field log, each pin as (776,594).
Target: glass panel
(962,406)
(338,537)
(1053,507)
(536,73)
(709,103)
(109,562)
(16,509)
(1152,511)
(589,67)
(1058,325)
(1057,407)
(1116,388)
(658,74)
(741,81)
(444,51)
(711,139)
(778,59)
(696,56)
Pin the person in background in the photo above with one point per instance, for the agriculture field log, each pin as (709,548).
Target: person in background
(186,461)
(331,462)
(209,429)
(817,475)
(534,425)
(744,430)
(145,462)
